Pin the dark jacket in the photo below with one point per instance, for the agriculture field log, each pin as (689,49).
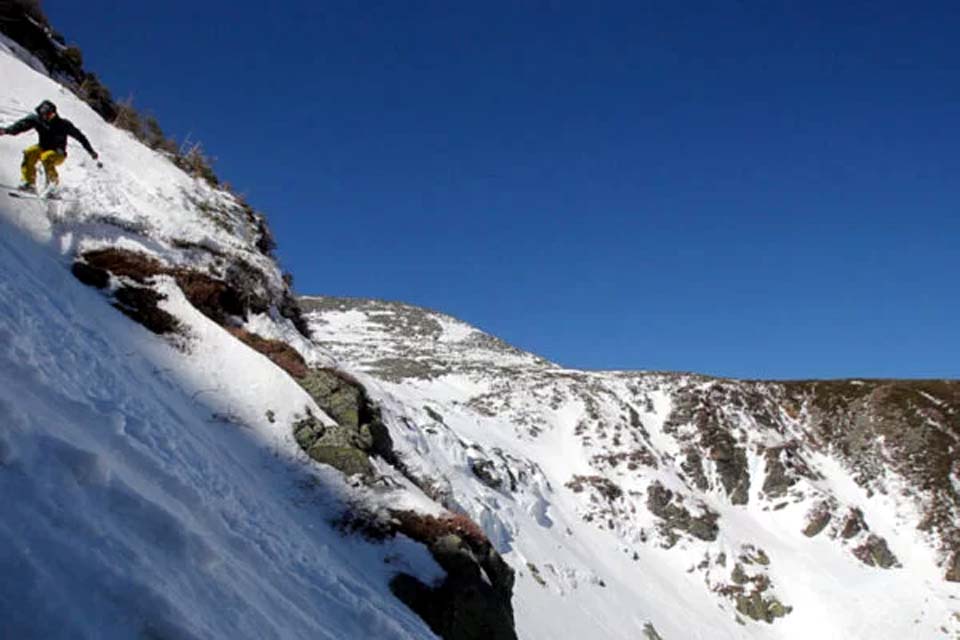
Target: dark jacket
(53,133)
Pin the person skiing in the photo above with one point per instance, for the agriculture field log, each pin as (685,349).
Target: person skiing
(51,151)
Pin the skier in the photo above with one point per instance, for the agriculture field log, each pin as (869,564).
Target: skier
(52,148)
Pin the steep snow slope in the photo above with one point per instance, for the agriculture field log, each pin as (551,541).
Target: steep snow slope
(635,503)
(151,487)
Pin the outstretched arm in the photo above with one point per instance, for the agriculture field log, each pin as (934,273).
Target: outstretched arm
(30,122)
(76,134)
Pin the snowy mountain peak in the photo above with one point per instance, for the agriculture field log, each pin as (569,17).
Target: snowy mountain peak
(409,341)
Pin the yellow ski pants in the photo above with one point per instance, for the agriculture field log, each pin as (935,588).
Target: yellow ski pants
(50,159)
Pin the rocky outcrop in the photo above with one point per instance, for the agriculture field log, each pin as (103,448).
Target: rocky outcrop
(650,632)
(663,503)
(818,519)
(713,437)
(784,467)
(953,568)
(473,601)
(237,291)
(141,304)
(875,553)
(767,609)
(883,427)
(359,432)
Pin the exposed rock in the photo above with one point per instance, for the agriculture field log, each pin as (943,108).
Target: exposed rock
(754,605)
(436,417)
(140,304)
(473,600)
(90,276)
(818,519)
(738,576)
(650,632)
(878,427)
(603,486)
(347,459)
(731,464)
(953,568)
(484,470)
(535,572)
(25,23)
(335,445)
(713,434)
(778,479)
(338,395)
(875,553)
(211,297)
(241,290)
(660,503)
(633,460)
(139,267)
(692,465)
(853,524)
(359,432)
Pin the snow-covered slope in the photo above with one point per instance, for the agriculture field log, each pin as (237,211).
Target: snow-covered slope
(151,486)
(691,507)
(167,486)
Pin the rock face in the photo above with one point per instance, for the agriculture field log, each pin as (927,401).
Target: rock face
(474,599)
(473,602)
(359,432)
(677,518)
(229,290)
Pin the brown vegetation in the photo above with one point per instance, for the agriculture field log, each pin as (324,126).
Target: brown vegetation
(140,304)
(282,354)
(211,296)
(427,528)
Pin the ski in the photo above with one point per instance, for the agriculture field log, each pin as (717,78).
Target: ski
(36,196)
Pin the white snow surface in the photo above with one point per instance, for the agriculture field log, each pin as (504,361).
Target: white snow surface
(152,487)
(145,491)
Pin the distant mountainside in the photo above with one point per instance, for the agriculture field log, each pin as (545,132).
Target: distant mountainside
(777,509)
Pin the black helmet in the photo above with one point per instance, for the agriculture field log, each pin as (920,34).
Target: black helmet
(45,108)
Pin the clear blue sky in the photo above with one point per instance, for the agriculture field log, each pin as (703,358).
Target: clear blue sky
(751,189)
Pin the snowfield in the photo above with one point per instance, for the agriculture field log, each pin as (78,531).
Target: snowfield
(152,487)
